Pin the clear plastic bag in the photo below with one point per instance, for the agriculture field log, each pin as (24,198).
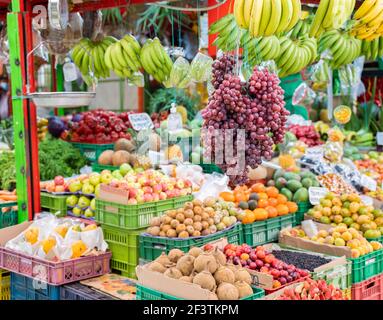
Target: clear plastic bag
(180,75)
(304,95)
(333,151)
(201,67)
(350,79)
(92,24)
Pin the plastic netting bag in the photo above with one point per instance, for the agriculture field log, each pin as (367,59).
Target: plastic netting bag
(201,67)
(180,75)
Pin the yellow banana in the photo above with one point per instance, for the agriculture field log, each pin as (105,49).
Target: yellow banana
(238,13)
(287,15)
(316,26)
(364,9)
(247,11)
(256,14)
(266,16)
(328,20)
(276,14)
(374,13)
(297,13)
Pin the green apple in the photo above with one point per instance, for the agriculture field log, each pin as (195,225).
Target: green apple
(125,168)
(138,170)
(75,186)
(72,200)
(93,204)
(83,202)
(95,179)
(77,211)
(89,213)
(87,188)
(106,177)
(116,174)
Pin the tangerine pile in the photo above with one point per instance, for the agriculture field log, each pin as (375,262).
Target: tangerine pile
(259,202)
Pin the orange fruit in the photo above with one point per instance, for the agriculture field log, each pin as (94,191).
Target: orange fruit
(263,203)
(293,207)
(272,212)
(273,202)
(240,196)
(258,187)
(227,196)
(281,199)
(249,217)
(260,214)
(272,192)
(282,209)
(263,195)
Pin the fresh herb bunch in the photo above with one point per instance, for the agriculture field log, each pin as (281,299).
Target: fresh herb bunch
(162,99)
(7,171)
(58,157)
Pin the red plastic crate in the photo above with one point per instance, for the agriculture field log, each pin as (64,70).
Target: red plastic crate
(55,273)
(371,289)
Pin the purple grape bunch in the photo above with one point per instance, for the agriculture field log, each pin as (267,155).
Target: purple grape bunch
(256,107)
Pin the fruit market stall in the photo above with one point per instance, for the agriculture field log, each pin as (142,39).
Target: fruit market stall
(215,188)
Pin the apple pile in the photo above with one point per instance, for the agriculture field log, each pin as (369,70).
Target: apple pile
(82,206)
(58,185)
(260,260)
(97,126)
(307,134)
(313,290)
(151,185)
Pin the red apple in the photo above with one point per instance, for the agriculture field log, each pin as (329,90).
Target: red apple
(132,201)
(148,197)
(156,197)
(261,254)
(59,188)
(253,265)
(163,196)
(59,181)
(253,256)
(132,193)
(275,273)
(147,189)
(157,188)
(259,263)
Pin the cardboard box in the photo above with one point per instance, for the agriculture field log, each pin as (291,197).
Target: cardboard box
(309,245)
(111,194)
(275,295)
(9,233)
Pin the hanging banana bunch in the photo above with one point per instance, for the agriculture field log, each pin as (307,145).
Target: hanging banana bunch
(369,20)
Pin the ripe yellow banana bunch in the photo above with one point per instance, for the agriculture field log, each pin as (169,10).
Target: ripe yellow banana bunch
(369,20)
(372,49)
(344,47)
(267,17)
(296,55)
(331,14)
(123,57)
(88,56)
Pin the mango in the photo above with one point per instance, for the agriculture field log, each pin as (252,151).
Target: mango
(301,195)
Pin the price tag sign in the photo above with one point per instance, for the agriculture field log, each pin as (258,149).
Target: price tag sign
(316,193)
(271,165)
(368,201)
(141,121)
(379,138)
(315,151)
(368,183)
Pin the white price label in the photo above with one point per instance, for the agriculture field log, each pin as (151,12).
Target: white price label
(368,183)
(379,138)
(141,121)
(316,193)
(271,165)
(315,151)
(368,201)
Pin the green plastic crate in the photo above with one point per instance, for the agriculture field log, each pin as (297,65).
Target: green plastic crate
(92,151)
(340,276)
(303,207)
(133,217)
(262,232)
(367,266)
(99,167)
(151,247)
(144,293)
(8,216)
(54,203)
(124,247)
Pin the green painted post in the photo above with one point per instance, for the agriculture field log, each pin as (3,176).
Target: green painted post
(60,86)
(14,29)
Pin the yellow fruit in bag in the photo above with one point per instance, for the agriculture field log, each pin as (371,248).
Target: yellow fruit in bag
(62,230)
(32,235)
(78,249)
(48,244)
(342,114)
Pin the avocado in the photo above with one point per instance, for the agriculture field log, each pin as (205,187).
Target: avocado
(287,193)
(243,205)
(254,196)
(315,183)
(307,183)
(280,183)
(252,204)
(292,176)
(301,195)
(278,173)
(306,174)
(293,185)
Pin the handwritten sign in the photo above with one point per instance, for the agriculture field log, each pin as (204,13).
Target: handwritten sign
(368,183)
(316,193)
(368,201)
(141,121)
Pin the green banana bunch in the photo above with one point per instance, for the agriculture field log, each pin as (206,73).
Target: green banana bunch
(344,47)
(228,33)
(155,60)
(123,57)
(366,139)
(331,14)
(301,28)
(88,56)
(180,75)
(260,49)
(321,72)
(372,50)
(296,55)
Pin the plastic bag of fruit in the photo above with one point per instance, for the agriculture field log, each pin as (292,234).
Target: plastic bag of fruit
(333,151)
(180,75)
(214,185)
(304,95)
(201,67)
